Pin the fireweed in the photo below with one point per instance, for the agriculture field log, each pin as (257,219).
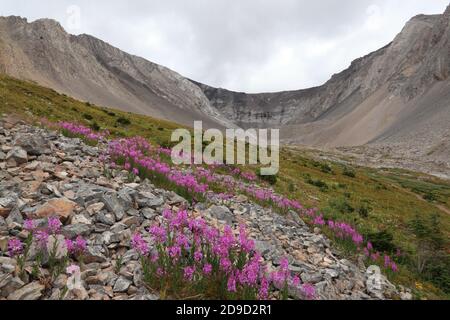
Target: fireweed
(184,257)
(197,183)
(47,248)
(86,134)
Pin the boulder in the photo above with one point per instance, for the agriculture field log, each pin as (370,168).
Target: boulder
(16,156)
(33,144)
(222,213)
(62,208)
(32,291)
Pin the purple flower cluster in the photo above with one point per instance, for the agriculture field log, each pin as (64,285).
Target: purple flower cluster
(15,247)
(203,254)
(73,129)
(77,246)
(140,158)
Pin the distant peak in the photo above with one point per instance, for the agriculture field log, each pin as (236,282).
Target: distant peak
(14,19)
(48,22)
(447,11)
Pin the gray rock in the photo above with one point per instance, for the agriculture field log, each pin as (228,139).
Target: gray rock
(32,291)
(122,284)
(130,255)
(107,219)
(89,192)
(113,204)
(148,213)
(331,273)
(263,247)
(94,254)
(14,217)
(377,284)
(222,213)
(109,237)
(10,285)
(73,230)
(33,144)
(16,156)
(311,277)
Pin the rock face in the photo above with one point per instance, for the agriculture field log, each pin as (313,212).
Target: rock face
(111,268)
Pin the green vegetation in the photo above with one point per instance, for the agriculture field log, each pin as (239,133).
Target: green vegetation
(395,208)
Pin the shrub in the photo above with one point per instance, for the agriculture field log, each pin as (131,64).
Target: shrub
(87,116)
(325,168)
(94,126)
(123,121)
(349,172)
(341,205)
(109,113)
(317,183)
(430,197)
(382,241)
(364,210)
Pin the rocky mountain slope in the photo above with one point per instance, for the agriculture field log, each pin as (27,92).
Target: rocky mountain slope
(50,170)
(396,94)
(91,70)
(396,99)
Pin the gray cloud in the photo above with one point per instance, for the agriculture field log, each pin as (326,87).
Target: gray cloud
(251,45)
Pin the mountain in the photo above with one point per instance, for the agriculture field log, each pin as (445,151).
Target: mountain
(397,97)
(91,70)
(395,93)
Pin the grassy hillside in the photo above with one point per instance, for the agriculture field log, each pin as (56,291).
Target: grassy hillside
(396,208)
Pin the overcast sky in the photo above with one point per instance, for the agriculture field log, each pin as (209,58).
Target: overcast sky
(243,45)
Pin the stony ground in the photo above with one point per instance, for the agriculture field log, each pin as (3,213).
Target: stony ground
(44,173)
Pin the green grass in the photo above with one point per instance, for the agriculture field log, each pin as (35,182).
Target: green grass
(372,199)
(33,102)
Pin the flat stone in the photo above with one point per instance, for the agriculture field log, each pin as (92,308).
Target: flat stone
(221,213)
(107,219)
(94,254)
(73,230)
(11,285)
(113,204)
(61,208)
(122,284)
(132,221)
(81,219)
(149,213)
(16,156)
(33,144)
(32,291)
